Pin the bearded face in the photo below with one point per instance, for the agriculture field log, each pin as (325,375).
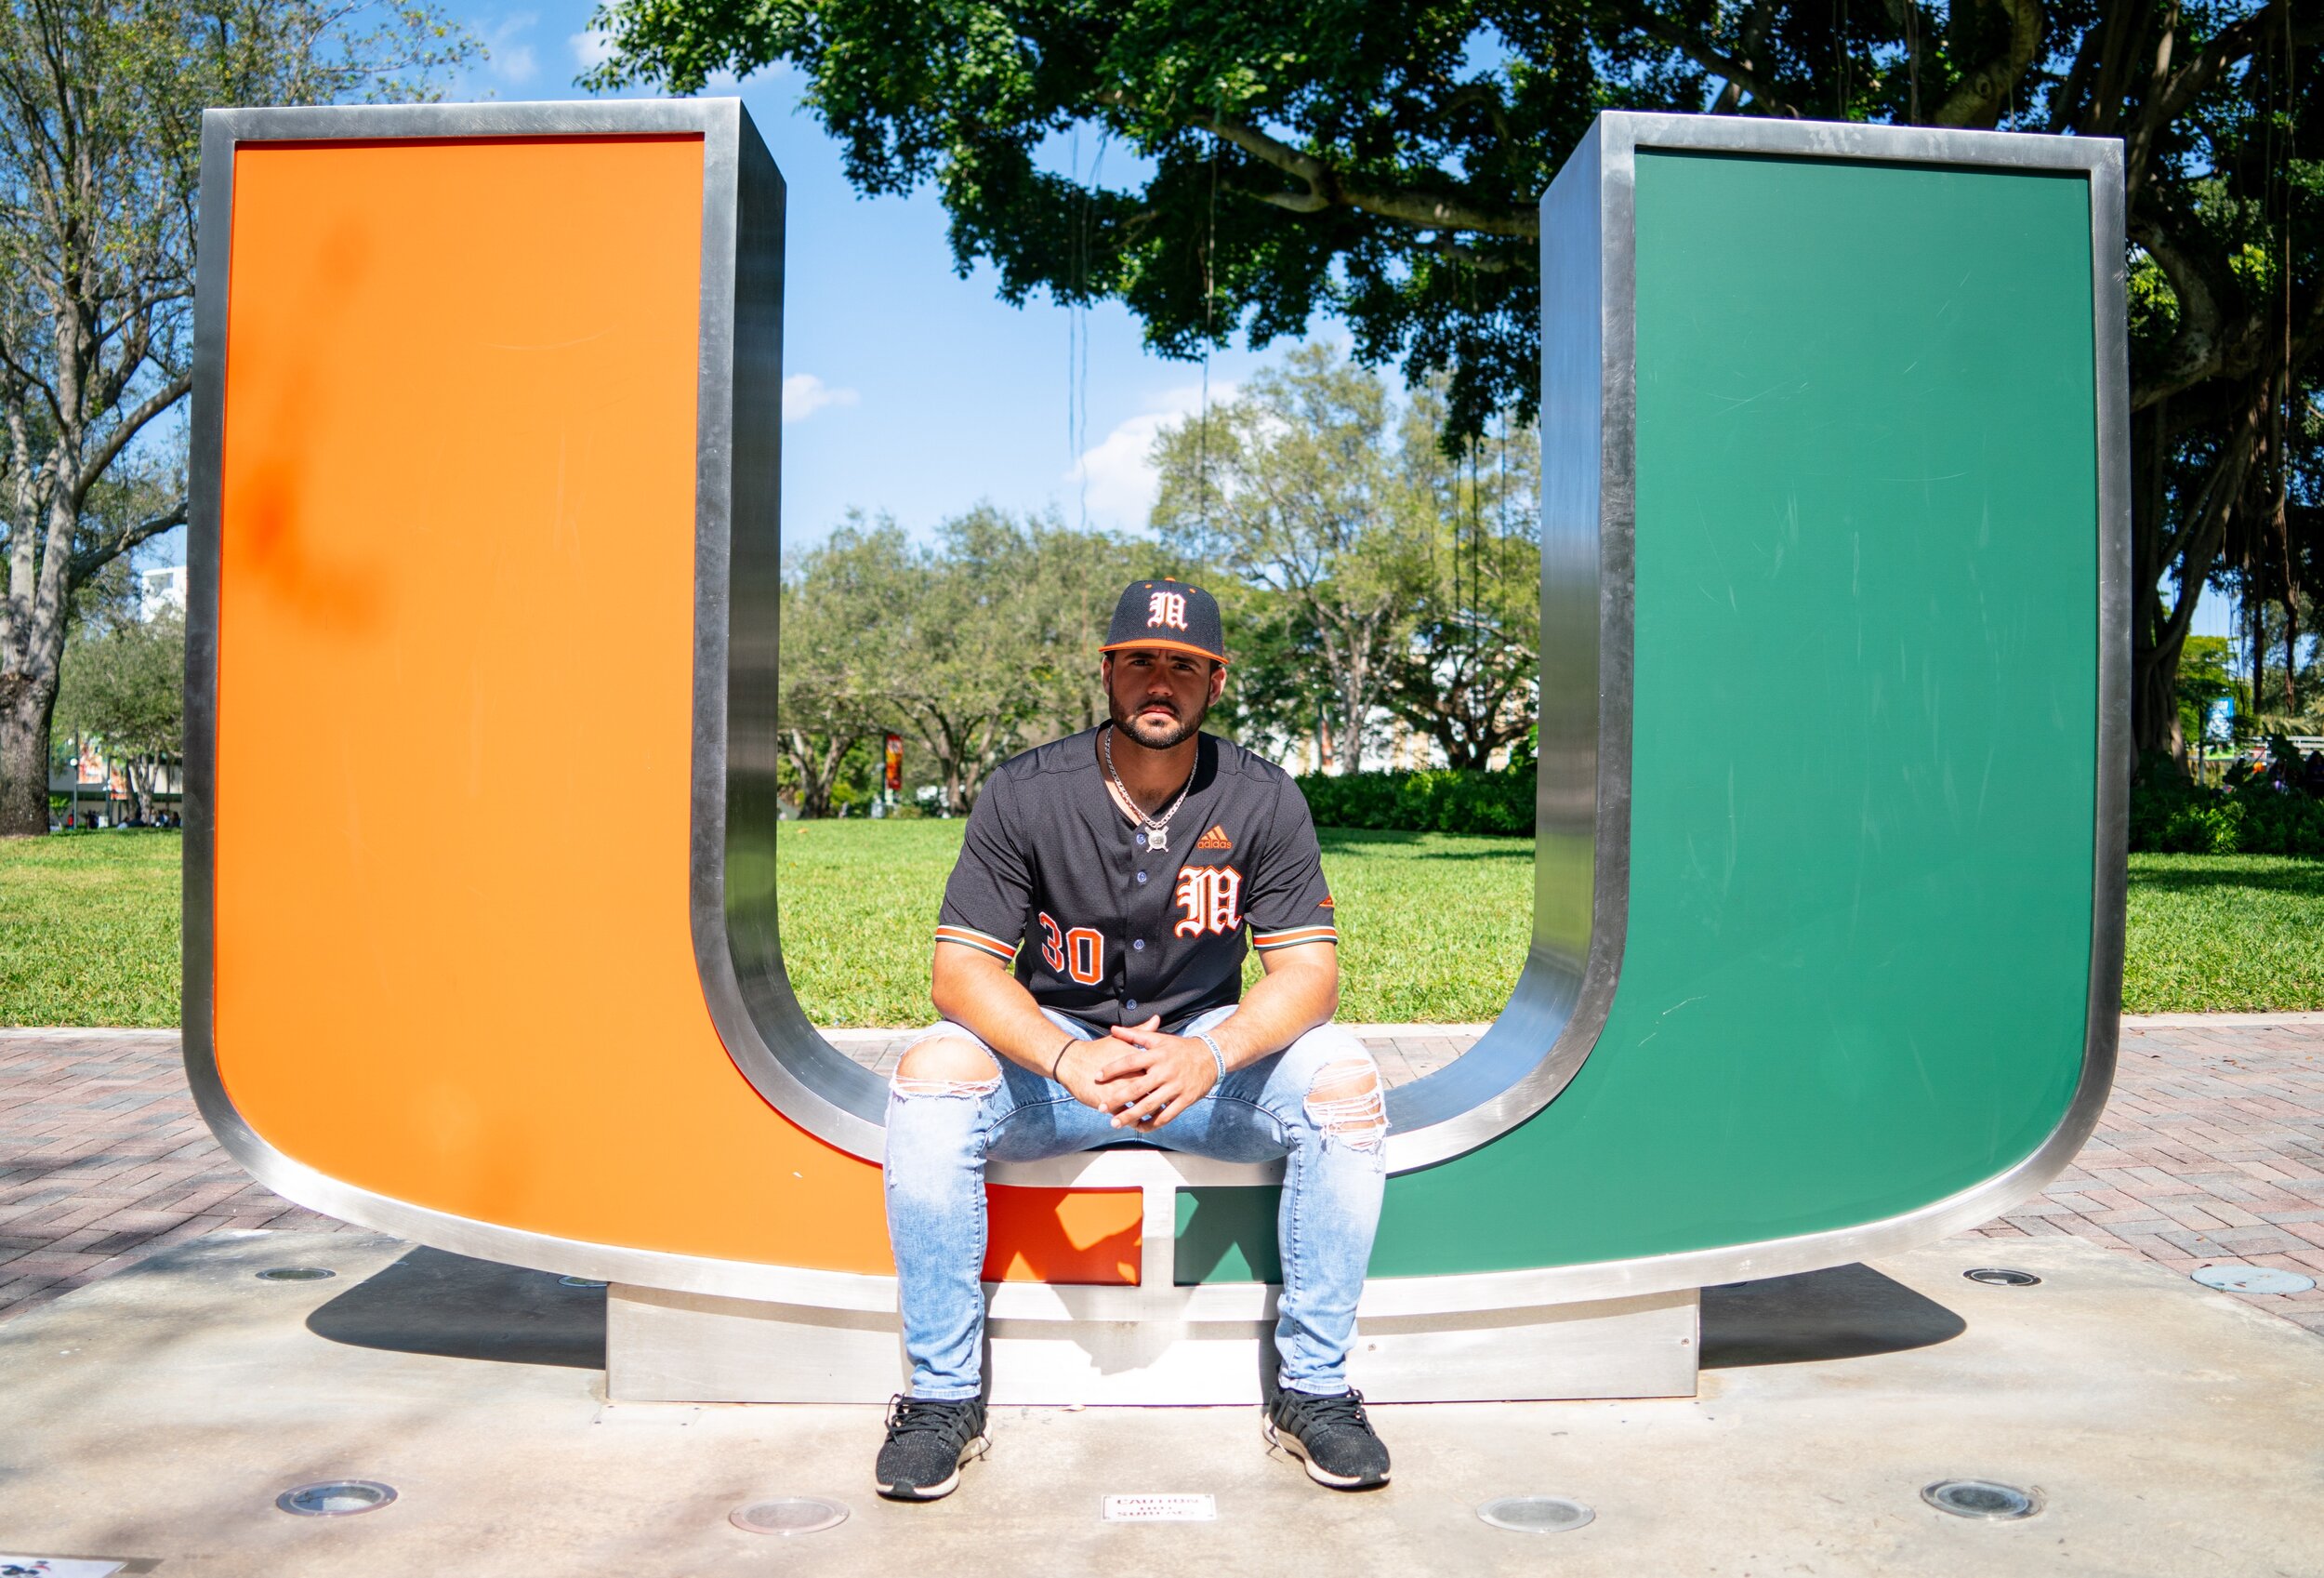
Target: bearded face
(1159,696)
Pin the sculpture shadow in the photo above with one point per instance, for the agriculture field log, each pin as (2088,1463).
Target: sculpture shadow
(451,1306)
(1843,1312)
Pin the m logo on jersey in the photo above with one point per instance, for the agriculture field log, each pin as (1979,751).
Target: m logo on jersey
(1211,898)
(1166,608)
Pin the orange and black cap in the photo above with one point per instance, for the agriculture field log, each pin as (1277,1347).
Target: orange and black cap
(1166,613)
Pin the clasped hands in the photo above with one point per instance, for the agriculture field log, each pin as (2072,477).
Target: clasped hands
(1138,1076)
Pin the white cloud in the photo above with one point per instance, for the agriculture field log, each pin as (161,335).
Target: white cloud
(504,57)
(590,49)
(1117,472)
(804,395)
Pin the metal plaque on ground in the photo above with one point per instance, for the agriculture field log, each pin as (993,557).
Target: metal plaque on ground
(1160,1509)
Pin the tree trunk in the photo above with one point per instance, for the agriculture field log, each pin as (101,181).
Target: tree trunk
(26,706)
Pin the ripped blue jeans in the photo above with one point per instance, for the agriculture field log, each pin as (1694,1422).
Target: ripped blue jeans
(942,1132)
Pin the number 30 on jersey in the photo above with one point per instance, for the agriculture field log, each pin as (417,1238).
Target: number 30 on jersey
(1079,952)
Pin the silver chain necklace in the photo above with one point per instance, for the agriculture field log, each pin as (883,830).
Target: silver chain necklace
(1157,831)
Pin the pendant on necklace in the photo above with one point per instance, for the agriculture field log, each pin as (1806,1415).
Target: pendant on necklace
(1158,839)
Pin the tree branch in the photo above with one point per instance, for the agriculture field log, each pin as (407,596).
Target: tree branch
(1977,99)
(88,562)
(107,448)
(1327,188)
(2176,91)
(2197,347)
(1712,60)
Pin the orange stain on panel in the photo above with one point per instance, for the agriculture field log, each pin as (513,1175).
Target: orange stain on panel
(453,955)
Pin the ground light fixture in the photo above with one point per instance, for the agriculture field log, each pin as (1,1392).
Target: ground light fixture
(1536,1515)
(335,1498)
(295,1274)
(788,1515)
(2002,1277)
(1982,1499)
(2253,1280)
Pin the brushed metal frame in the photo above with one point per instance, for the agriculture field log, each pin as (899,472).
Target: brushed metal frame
(1563,997)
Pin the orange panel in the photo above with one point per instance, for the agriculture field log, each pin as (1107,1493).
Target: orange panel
(454,741)
(1064,1235)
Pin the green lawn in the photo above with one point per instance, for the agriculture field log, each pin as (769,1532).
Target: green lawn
(1435,926)
(88,928)
(1443,932)
(2211,932)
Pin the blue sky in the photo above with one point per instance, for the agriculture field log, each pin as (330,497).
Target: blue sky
(907,388)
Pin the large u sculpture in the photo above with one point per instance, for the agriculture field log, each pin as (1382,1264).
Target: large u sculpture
(482,855)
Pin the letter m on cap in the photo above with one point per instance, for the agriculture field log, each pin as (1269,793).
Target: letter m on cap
(1166,608)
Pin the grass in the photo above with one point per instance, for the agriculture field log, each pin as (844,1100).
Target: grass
(88,928)
(2211,932)
(1442,932)
(1434,925)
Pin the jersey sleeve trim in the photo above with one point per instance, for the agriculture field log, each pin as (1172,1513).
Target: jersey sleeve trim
(1262,941)
(983,941)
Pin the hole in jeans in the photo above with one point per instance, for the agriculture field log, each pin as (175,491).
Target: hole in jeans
(1346,1104)
(946,1069)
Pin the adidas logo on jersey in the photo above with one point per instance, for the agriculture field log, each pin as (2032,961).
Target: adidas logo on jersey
(1215,839)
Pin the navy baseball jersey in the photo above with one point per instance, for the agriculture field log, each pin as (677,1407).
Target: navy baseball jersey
(1112,931)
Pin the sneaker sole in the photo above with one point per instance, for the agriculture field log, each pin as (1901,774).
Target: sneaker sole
(1321,1475)
(943,1488)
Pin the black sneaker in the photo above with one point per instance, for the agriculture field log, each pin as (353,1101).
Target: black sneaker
(1330,1435)
(928,1440)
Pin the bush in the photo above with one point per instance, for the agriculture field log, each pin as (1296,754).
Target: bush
(2170,815)
(1434,801)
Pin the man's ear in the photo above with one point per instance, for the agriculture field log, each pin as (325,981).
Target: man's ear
(1218,682)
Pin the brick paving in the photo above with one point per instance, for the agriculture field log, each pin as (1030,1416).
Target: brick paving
(2211,1148)
(103,1161)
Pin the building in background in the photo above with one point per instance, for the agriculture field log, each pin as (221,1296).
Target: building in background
(161,590)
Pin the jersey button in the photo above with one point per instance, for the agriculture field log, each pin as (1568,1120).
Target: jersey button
(1140,945)
(1142,841)
(1131,1003)
(1142,876)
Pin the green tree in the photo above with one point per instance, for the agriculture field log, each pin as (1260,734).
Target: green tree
(1467,676)
(1296,486)
(124,683)
(1080,576)
(964,657)
(1279,697)
(837,606)
(101,103)
(1380,160)
(2206,673)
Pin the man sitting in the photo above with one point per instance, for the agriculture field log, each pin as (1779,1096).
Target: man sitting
(1128,860)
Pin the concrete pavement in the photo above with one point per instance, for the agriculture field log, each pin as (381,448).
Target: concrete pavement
(154,1417)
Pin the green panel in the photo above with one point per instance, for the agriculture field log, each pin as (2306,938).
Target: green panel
(1227,1234)
(1862,831)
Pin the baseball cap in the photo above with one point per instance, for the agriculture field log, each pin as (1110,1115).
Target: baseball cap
(1166,613)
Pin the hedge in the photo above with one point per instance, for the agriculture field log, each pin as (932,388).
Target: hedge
(2170,815)
(1465,800)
